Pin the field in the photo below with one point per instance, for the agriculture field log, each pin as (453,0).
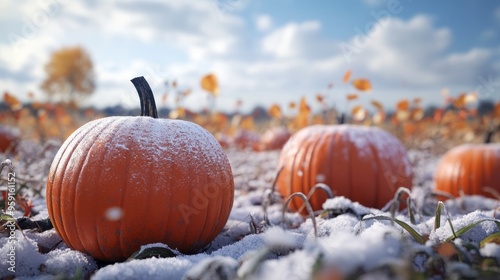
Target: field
(420,232)
(262,239)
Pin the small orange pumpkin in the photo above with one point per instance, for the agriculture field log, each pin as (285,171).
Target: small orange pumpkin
(274,138)
(223,140)
(246,139)
(470,168)
(8,140)
(121,182)
(365,164)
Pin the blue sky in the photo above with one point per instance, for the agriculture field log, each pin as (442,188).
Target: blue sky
(262,51)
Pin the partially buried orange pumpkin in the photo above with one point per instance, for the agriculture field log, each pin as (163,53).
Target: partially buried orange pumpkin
(121,182)
(469,168)
(365,164)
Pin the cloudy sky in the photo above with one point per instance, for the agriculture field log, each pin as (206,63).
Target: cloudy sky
(262,51)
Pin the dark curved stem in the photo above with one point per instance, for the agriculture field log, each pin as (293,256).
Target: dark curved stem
(148,105)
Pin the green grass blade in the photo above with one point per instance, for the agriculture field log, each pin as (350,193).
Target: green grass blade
(6,217)
(437,216)
(469,227)
(409,203)
(492,238)
(419,238)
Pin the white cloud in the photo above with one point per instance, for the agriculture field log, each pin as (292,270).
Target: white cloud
(263,22)
(185,39)
(417,53)
(297,40)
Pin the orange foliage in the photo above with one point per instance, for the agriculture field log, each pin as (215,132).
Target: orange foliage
(12,101)
(362,84)
(275,111)
(377,105)
(403,105)
(69,72)
(347,76)
(352,96)
(209,83)
(359,113)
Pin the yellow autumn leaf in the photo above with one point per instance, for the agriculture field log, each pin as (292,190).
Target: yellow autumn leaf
(220,118)
(304,107)
(377,105)
(378,117)
(403,105)
(362,84)
(178,113)
(359,113)
(292,105)
(460,101)
(320,98)
(12,101)
(347,76)
(352,96)
(417,114)
(300,121)
(275,111)
(247,123)
(209,83)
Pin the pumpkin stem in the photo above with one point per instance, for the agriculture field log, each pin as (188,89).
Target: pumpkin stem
(489,134)
(148,105)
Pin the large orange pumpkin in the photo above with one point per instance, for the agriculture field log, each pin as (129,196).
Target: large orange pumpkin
(121,182)
(469,168)
(365,164)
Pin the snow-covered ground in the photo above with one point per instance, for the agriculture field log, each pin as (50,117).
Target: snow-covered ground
(352,240)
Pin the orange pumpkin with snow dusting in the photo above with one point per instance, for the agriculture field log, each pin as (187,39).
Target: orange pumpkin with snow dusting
(364,164)
(121,182)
